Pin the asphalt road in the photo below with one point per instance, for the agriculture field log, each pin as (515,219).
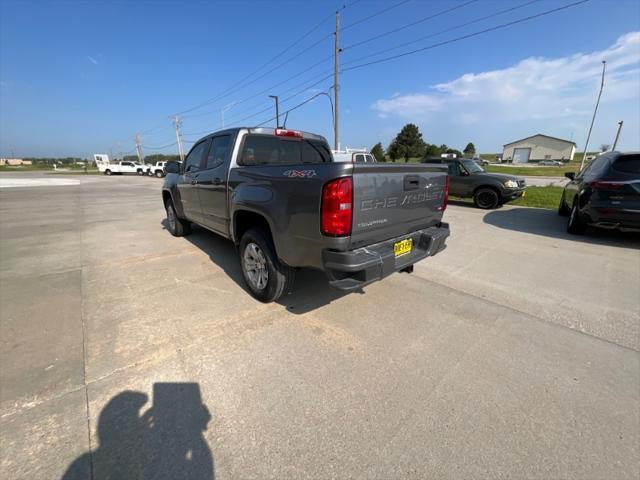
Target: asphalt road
(513,354)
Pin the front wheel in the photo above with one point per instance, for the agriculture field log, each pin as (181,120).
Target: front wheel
(140,172)
(266,277)
(107,172)
(177,226)
(486,198)
(159,174)
(576,225)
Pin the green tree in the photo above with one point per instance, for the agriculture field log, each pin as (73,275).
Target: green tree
(470,149)
(408,143)
(378,152)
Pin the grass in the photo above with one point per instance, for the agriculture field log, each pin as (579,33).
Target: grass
(538,197)
(534,171)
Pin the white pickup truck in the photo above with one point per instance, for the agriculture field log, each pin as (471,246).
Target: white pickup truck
(157,169)
(111,168)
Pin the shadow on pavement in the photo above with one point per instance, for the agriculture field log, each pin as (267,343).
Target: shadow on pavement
(311,289)
(548,223)
(165,442)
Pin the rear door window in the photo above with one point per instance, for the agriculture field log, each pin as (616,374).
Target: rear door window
(193,162)
(218,151)
(269,150)
(628,164)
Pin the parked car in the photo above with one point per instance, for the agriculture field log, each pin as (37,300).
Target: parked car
(469,180)
(157,169)
(556,163)
(280,196)
(120,168)
(605,194)
(480,161)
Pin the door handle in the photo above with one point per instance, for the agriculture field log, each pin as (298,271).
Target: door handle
(216,181)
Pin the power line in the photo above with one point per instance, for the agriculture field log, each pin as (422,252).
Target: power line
(408,25)
(296,107)
(373,15)
(161,146)
(464,37)
(440,32)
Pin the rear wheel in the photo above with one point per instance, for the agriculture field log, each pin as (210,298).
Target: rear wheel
(177,226)
(486,198)
(576,225)
(159,174)
(107,172)
(563,210)
(266,277)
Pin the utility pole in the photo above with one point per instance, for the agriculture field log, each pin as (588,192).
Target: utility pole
(586,145)
(275,97)
(139,149)
(617,135)
(336,86)
(178,123)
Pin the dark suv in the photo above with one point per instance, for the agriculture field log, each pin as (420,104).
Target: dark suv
(469,180)
(605,194)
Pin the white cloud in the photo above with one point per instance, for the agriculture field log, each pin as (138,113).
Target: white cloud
(534,89)
(92,60)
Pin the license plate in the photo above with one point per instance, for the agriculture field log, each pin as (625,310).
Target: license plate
(402,247)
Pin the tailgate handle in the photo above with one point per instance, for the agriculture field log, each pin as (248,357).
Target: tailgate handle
(411,182)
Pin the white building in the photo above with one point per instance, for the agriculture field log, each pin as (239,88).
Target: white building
(538,147)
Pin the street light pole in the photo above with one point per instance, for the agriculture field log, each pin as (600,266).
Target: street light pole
(617,135)
(586,145)
(275,97)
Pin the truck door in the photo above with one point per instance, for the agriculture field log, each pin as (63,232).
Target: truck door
(212,185)
(457,184)
(187,185)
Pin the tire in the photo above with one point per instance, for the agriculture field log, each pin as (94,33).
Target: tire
(107,172)
(159,174)
(563,210)
(177,226)
(576,225)
(140,172)
(486,198)
(265,276)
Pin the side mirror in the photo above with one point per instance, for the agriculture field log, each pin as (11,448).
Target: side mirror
(172,167)
(570,175)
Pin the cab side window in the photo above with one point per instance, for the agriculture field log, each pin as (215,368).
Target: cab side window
(193,162)
(454,169)
(219,151)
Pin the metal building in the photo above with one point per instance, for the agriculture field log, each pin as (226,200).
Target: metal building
(538,147)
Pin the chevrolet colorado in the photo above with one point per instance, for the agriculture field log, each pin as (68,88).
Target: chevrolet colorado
(283,200)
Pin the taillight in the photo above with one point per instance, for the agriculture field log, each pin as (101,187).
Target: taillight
(281,132)
(337,207)
(445,195)
(606,185)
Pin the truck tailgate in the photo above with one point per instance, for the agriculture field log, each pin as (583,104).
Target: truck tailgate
(392,200)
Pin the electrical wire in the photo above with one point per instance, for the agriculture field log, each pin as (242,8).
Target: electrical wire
(464,37)
(295,108)
(160,147)
(440,32)
(408,25)
(373,15)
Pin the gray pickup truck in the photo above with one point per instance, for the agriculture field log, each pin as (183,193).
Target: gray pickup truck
(281,198)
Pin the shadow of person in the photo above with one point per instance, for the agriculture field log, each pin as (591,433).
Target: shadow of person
(165,442)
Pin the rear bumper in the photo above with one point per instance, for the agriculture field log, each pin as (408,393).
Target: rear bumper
(357,268)
(610,218)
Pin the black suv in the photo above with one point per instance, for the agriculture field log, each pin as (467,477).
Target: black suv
(605,194)
(469,180)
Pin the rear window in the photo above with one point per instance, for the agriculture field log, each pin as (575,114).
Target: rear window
(270,150)
(628,164)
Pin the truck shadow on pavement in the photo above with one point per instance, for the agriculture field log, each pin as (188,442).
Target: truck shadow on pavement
(164,442)
(311,289)
(548,223)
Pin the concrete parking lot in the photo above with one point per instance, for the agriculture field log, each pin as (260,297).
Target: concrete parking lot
(128,353)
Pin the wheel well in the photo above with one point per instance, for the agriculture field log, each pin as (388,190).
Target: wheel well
(244,220)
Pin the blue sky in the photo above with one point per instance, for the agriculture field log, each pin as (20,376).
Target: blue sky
(81,77)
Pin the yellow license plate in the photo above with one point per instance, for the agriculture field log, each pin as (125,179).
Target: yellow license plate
(402,247)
